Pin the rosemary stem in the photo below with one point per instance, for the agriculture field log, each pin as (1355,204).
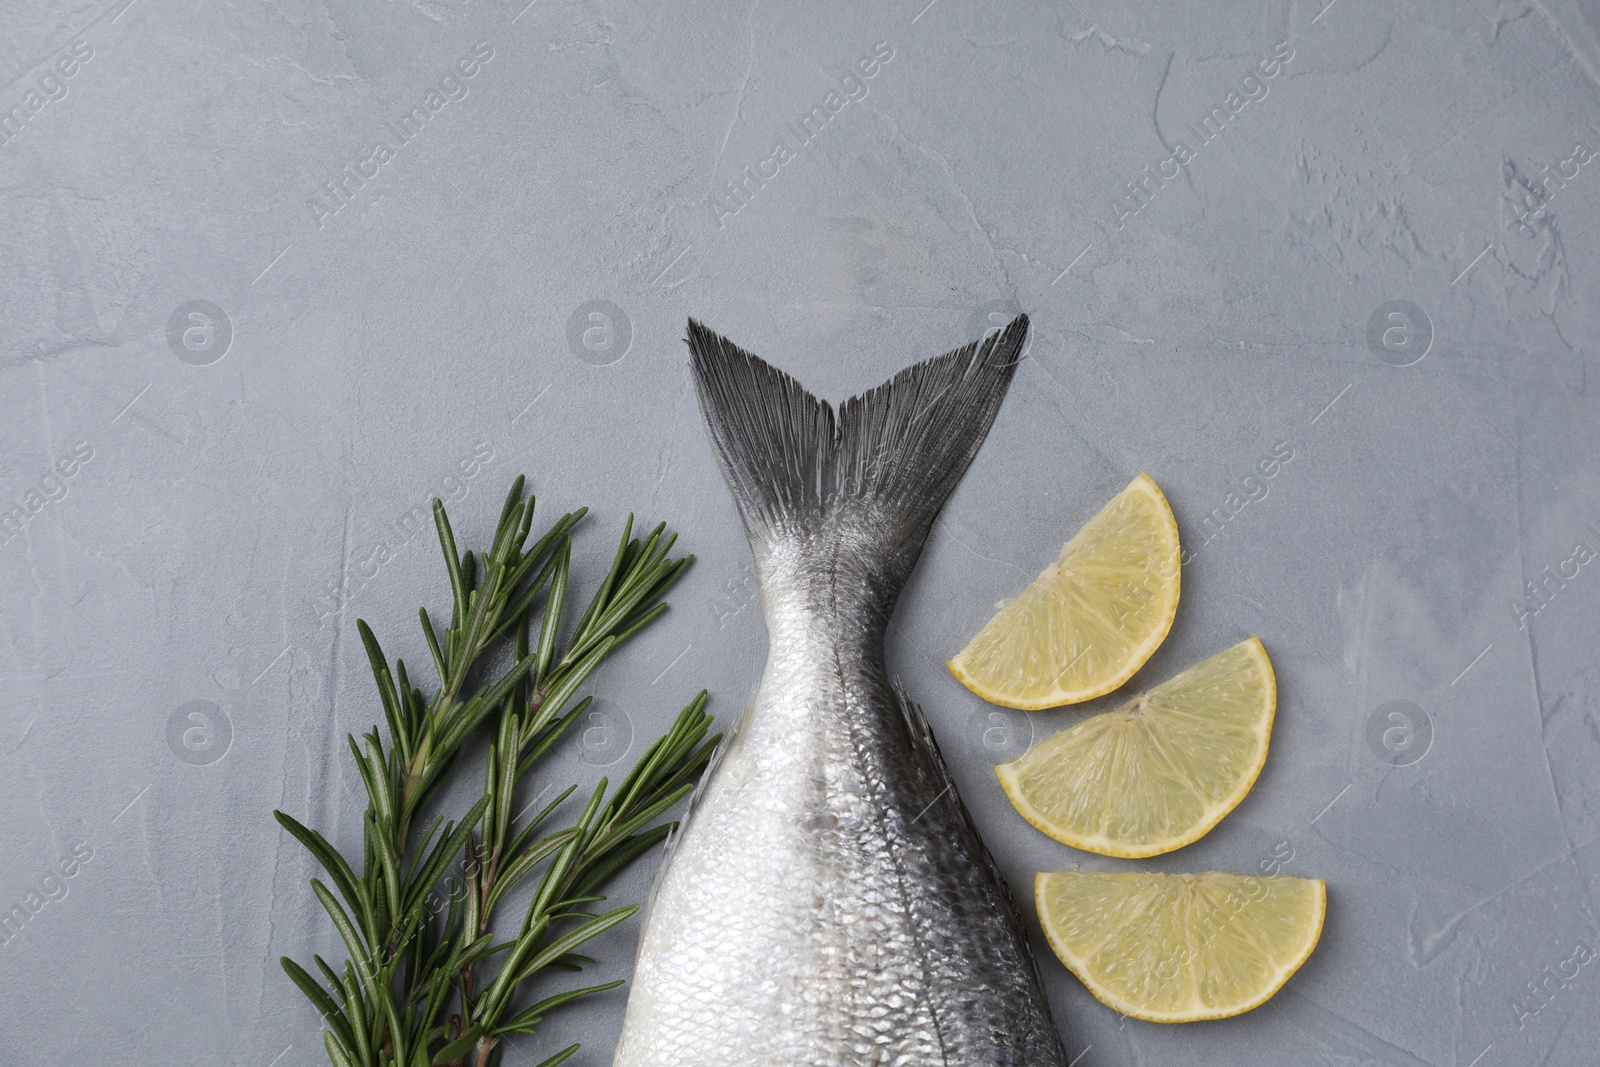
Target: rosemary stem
(426,983)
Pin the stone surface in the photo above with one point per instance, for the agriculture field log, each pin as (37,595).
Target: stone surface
(259,345)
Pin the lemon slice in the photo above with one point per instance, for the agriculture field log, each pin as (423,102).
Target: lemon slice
(1161,770)
(1177,948)
(1091,619)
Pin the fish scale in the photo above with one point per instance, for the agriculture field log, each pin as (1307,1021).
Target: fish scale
(827,900)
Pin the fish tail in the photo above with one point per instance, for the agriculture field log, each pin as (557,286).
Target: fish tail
(884,463)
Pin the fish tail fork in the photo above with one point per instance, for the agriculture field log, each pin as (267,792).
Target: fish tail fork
(889,457)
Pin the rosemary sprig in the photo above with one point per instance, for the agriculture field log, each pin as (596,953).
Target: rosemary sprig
(420,987)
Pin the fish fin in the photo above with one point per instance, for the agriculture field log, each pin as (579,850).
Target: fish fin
(891,455)
(669,847)
(774,438)
(930,761)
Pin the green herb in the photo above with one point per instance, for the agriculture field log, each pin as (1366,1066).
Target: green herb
(422,988)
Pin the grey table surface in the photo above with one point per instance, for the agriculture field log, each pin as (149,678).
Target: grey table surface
(276,272)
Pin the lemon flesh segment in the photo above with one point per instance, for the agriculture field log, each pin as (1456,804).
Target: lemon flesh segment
(1161,770)
(1176,948)
(1091,619)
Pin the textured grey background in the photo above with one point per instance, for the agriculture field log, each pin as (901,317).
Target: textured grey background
(245,486)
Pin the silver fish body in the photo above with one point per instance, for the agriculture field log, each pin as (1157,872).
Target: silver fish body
(828,900)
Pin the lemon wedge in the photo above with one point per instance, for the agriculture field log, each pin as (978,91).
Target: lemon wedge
(1158,772)
(1177,948)
(1091,619)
